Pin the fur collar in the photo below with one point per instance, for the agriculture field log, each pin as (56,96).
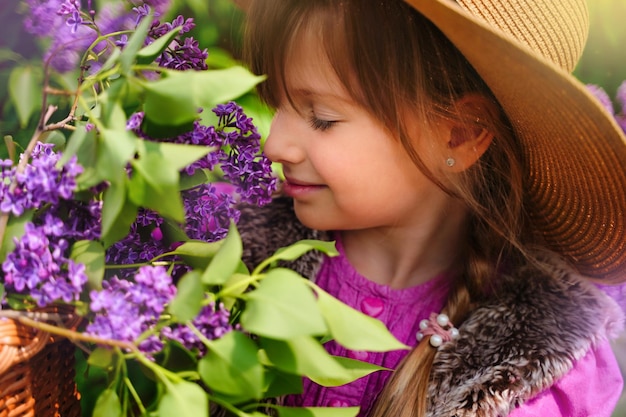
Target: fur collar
(509,349)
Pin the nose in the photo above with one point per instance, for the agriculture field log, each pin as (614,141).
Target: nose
(283,144)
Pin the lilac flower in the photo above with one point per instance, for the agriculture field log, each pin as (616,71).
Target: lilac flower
(621,98)
(134,121)
(159,29)
(40,183)
(212,323)
(39,265)
(43,19)
(602,96)
(122,41)
(67,31)
(141,11)
(82,219)
(246,168)
(68,8)
(74,21)
(126,309)
(606,102)
(159,6)
(139,246)
(208,213)
(185,56)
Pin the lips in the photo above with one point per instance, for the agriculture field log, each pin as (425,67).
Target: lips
(300,189)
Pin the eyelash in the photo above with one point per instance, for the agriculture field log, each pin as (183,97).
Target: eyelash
(319,124)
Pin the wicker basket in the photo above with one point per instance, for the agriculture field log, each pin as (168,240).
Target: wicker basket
(36,372)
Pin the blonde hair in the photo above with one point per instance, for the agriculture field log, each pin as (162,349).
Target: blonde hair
(392,59)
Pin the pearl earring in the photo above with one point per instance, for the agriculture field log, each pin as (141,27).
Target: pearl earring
(450,162)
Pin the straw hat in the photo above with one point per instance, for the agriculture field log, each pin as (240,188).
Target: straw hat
(575,152)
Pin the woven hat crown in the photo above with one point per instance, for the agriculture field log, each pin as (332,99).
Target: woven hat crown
(557,29)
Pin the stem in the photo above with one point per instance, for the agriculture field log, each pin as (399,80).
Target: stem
(128,266)
(135,396)
(231,291)
(228,406)
(73,335)
(165,375)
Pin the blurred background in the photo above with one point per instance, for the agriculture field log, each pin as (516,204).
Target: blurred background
(218,24)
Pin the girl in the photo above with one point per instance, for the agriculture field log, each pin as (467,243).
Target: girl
(461,170)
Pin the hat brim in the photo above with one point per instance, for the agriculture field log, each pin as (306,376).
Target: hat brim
(575,153)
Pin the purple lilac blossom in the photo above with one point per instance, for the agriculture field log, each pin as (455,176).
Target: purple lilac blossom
(621,98)
(141,11)
(82,219)
(606,102)
(211,323)
(125,309)
(159,6)
(43,19)
(69,32)
(208,213)
(236,149)
(140,245)
(39,265)
(246,168)
(602,96)
(159,29)
(40,183)
(185,56)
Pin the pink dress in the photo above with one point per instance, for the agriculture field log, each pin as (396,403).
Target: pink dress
(592,388)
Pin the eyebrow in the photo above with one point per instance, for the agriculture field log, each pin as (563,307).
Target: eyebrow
(307,93)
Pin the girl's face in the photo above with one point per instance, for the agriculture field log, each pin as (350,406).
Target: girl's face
(344,170)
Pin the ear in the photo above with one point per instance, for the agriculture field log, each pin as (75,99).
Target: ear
(467,138)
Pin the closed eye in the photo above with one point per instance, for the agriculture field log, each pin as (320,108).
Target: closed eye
(319,124)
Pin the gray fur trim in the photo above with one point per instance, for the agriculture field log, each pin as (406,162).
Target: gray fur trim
(520,343)
(271,227)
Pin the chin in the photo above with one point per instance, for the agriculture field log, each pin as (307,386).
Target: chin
(313,219)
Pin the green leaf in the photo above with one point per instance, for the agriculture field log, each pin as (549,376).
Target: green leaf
(189,296)
(198,253)
(184,399)
(112,205)
(91,254)
(116,148)
(156,178)
(353,329)
(15,228)
(282,307)
(111,60)
(236,285)
(282,383)
(56,138)
(154,185)
(134,44)
(25,92)
(226,260)
(317,411)
(108,405)
(149,53)
(118,214)
(102,358)
(358,369)
(294,251)
(175,155)
(306,356)
(180,94)
(200,176)
(231,366)
(298,249)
